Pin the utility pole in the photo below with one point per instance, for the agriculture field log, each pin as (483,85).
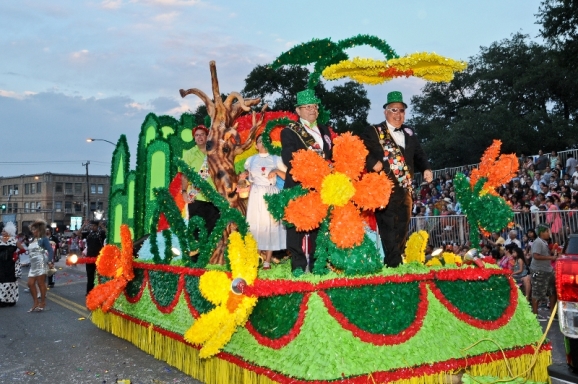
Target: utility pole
(87,191)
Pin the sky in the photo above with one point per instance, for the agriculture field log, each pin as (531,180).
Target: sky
(71,69)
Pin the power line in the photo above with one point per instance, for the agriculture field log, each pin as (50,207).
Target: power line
(51,162)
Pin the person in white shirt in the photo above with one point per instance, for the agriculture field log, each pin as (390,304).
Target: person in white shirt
(571,164)
(513,238)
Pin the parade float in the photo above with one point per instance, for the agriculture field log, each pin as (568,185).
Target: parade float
(199,301)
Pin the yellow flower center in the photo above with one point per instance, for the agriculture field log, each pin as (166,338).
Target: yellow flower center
(337,189)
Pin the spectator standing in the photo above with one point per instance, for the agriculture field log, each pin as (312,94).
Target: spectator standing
(570,165)
(8,279)
(541,161)
(542,273)
(53,239)
(94,238)
(553,219)
(73,244)
(536,183)
(520,272)
(39,263)
(554,159)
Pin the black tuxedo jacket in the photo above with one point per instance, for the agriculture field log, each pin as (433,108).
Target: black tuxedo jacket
(414,156)
(291,142)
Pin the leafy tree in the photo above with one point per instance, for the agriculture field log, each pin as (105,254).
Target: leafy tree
(278,87)
(348,103)
(559,19)
(506,93)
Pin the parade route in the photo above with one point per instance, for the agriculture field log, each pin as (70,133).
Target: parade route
(61,345)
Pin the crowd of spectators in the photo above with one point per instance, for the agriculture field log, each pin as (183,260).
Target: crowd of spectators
(542,183)
(541,190)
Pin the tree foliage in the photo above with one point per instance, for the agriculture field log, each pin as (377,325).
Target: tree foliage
(559,19)
(511,91)
(348,103)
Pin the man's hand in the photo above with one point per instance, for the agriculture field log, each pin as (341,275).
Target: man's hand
(428,175)
(378,166)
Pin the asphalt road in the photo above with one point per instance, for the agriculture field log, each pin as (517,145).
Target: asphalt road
(61,345)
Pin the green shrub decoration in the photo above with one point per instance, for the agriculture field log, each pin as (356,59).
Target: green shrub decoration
(163,286)
(385,309)
(467,296)
(275,316)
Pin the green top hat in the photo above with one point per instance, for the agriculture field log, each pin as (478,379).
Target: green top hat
(394,97)
(306,97)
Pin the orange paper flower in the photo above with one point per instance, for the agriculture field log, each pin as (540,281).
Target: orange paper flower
(306,212)
(346,227)
(373,191)
(309,169)
(349,155)
(498,170)
(116,263)
(342,187)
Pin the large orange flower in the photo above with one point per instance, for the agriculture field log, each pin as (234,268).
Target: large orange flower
(341,185)
(116,263)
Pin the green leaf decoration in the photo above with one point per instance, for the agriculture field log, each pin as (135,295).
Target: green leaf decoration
(163,286)
(266,136)
(372,41)
(275,316)
(201,304)
(385,309)
(277,203)
(467,296)
(362,259)
(482,210)
(309,53)
(324,52)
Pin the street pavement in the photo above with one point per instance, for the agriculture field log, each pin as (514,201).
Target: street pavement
(61,345)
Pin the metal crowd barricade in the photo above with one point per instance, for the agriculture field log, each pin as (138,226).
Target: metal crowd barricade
(455,228)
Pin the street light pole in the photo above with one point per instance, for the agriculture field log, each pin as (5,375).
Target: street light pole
(87,191)
(90,140)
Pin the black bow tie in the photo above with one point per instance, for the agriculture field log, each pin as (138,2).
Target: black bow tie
(397,129)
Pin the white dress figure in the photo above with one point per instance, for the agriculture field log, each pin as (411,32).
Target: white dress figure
(262,170)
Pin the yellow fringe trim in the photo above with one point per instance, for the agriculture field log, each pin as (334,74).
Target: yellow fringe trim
(216,371)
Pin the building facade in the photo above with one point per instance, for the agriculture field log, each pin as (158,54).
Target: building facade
(53,197)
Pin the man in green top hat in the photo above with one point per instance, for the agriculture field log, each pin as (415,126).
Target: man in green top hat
(306,134)
(395,149)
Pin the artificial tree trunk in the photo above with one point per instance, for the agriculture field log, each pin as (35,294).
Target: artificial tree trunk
(224,144)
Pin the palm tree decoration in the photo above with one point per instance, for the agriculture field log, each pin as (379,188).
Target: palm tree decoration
(485,210)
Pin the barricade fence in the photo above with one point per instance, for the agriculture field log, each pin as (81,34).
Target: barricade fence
(455,228)
(452,171)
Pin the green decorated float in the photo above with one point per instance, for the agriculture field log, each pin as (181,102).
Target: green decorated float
(221,319)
